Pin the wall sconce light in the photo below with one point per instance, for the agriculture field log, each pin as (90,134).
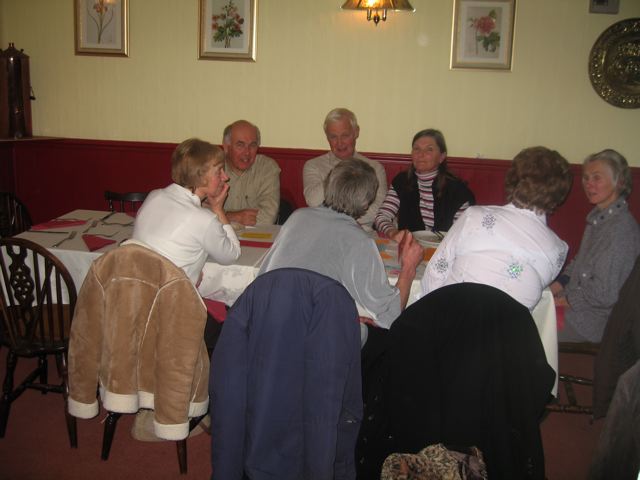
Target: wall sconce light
(377,9)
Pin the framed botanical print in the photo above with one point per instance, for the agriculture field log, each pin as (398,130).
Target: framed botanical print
(102,27)
(228,30)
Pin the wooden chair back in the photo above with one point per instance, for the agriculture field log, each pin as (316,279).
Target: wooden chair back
(37,300)
(14,216)
(129,201)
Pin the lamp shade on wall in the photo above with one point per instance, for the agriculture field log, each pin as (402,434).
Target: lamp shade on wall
(377,9)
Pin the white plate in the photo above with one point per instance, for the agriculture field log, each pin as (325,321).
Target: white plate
(426,238)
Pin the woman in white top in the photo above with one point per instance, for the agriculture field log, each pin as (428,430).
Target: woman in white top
(185,221)
(509,247)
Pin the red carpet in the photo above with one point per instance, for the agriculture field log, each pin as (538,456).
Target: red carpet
(36,446)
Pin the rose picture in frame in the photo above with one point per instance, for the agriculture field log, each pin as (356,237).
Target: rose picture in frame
(102,27)
(482,34)
(228,30)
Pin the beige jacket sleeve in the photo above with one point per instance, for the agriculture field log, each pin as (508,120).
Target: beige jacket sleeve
(366,221)
(268,193)
(85,348)
(313,175)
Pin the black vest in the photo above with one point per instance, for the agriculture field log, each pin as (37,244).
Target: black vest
(455,194)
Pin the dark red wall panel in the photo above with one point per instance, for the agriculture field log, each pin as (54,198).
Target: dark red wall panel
(58,175)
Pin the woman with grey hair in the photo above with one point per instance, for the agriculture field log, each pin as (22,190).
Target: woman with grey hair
(328,240)
(589,286)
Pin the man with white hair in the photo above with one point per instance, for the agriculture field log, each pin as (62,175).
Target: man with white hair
(342,130)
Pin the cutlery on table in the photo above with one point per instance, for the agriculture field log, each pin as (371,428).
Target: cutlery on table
(93,224)
(107,235)
(107,216)
(68,237)
(128,224)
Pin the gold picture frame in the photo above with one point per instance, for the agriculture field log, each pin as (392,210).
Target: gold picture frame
(102,27)
(227,30)
(482,34)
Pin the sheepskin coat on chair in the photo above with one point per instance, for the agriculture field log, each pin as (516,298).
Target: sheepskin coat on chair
(137,333)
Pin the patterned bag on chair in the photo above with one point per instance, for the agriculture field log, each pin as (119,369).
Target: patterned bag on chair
(435,462)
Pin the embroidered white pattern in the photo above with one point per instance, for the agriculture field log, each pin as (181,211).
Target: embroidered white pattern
(514,270)
(488,221)
(441,265)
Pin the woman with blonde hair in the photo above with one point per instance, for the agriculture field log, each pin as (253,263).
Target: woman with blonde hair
(185,221)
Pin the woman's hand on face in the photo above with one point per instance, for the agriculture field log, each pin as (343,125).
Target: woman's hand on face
(216,202)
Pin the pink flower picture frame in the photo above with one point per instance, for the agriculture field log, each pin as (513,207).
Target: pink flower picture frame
(482,34)
(102,27)
(228,30)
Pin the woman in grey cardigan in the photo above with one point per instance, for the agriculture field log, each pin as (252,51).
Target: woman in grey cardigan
(588,288)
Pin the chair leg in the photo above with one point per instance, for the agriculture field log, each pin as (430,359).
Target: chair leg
(109,431)
(43,367)
(72,429)
(7,389)
(181,446)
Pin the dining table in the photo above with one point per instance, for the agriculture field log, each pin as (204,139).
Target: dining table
(81,236)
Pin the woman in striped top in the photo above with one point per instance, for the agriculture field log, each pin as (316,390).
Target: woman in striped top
(427,196)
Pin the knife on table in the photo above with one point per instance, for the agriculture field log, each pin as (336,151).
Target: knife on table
(107,216)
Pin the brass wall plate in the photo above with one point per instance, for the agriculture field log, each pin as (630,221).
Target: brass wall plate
(614,64)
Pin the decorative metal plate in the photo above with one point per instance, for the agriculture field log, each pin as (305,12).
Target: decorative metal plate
(614,64)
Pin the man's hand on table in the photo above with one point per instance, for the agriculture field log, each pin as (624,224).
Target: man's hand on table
(248,216)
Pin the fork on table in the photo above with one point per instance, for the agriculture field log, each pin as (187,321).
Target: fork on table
(93,224)
(68,237)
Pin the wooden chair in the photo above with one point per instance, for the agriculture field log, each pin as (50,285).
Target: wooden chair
(160,298)
(617,352)
(37,303)
(568,380)
(14,216)
(132,200)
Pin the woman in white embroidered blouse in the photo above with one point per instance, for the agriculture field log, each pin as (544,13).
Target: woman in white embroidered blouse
(185,221)
(509,247)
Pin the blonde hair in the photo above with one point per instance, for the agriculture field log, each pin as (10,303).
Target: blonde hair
(192,159)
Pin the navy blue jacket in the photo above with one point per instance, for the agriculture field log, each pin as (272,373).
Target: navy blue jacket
(285,386)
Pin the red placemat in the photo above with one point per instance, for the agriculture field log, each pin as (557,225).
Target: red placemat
(57,223)
(253,243)
(94,242)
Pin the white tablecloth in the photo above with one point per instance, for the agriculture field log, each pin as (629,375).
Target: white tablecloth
(225,283)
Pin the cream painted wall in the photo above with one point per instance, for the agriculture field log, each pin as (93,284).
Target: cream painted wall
(312,57)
